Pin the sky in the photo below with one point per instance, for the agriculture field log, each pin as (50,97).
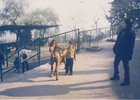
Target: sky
(83,13)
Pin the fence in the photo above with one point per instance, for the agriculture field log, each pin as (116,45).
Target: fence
(62,41)
(40,50)
(88,37)
(33,46)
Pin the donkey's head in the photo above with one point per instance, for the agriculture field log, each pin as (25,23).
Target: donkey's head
(51,44)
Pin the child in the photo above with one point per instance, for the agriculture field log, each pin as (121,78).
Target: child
(70,55)
(16,64)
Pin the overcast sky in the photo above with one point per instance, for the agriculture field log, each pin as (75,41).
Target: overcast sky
(82,11)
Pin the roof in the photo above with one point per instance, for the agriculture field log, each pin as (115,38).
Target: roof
(18,27)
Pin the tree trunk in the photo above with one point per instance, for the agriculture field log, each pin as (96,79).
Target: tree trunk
(139,22)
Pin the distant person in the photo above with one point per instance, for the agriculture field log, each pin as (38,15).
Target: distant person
(1,59)
(23,58)
(123,50)
(16,64)
(70,55)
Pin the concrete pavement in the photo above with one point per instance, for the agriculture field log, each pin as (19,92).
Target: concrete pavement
(92,71)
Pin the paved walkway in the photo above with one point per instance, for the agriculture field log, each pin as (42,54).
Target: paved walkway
(92,71)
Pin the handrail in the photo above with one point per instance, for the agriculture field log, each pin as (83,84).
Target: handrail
(60,33)
(75,31)
(94,29)
(20,63)
(30,57)
(19,50)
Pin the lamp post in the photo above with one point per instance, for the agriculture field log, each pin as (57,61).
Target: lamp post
(96,23)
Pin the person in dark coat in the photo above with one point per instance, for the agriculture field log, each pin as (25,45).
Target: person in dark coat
(123,50)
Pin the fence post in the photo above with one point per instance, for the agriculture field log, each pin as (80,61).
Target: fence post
(19,63)
(38,50)
(1,72)
(65,40)
(17,48)
(97,37)
(90,38)
(6,56)
(105,36)
(78,43)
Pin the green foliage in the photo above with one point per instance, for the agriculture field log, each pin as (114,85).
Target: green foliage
(124,8)
(25,36)
(12,11)
(42,17)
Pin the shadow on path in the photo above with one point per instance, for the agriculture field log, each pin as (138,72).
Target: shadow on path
(49,90)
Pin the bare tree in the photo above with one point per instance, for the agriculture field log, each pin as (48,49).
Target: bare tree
(42,17)
(13,10)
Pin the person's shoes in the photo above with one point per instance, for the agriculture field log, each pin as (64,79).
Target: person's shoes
(125,83)
(66,74)
(15,71)
(115,77)
(71,73)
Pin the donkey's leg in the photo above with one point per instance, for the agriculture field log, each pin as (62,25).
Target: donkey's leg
(55,60)
(51,66)
(51,70)
(65,62)
(57,68)
(58,59)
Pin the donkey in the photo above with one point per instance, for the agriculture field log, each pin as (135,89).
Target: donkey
(55,56)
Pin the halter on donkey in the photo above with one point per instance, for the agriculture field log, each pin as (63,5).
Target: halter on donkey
(55,56)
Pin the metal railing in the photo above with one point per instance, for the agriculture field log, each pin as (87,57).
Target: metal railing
(42,50)
(88,37)
(82,39)
(16,54)
(62,40)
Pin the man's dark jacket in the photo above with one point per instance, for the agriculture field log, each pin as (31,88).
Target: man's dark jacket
(124,45)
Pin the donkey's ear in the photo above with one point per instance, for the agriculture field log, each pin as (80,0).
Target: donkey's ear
(52,43)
